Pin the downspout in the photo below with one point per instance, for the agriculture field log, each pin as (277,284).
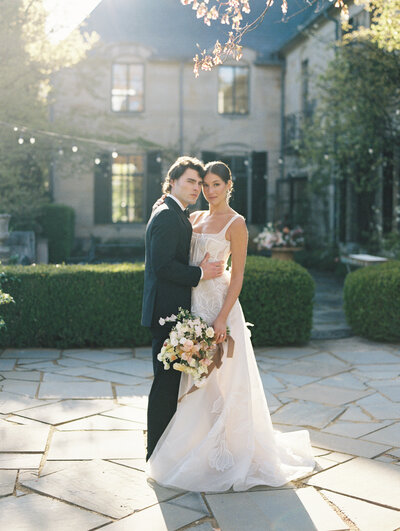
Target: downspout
(181,107)
(333,188)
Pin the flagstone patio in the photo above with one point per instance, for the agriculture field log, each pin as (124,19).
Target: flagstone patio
(73,427)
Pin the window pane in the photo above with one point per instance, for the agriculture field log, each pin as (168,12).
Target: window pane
(241,90)
(127,88)
(136,87)
(225,89)
(127,189)
(233,89)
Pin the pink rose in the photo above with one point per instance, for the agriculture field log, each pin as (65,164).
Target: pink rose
(188,345)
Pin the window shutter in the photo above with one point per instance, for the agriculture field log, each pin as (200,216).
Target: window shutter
(102,190)
(153,180)
(259,186)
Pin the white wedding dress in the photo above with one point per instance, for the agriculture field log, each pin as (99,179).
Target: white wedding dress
(221,435)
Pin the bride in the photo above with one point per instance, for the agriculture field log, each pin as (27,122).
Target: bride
(221,435)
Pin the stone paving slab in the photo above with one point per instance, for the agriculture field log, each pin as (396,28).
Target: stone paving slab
(7,481)
(133,414)
(79,445)
(110,376)
(358,477)
(354,429)
(309,368)
(75,390)
(368,357)
(355,414)
(135,367)
(165,516)
(280,510)
(366,516)
(334,396)
(306,414)
(10,402)
(389,435)
(34,512)
(55,377)
(103,487)
(346,445)
(31,353)
(21,375)
(392,392)
(345,380)
(11,461)
(65,410)
(138,464)
(379,407)
(23,438)
(293,379)
(286,352)
(7,365)
(97,356)
(20,387)
(99,422)
(135,395)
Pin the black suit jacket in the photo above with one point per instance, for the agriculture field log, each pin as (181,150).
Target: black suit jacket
(168,277)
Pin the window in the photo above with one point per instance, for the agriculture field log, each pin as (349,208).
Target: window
(233,90)
(127,87)
(127,189)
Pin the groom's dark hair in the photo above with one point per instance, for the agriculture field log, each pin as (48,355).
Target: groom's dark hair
(179,167)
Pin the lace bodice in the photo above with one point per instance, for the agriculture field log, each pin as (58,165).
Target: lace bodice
(208,297)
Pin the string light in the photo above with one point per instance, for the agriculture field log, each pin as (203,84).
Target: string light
(20,140)
(97,161)
(15,128)
(114,154)
(32,140)
(61,151)
(74,149)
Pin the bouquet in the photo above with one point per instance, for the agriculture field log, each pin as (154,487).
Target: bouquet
(278,236)
(190,347)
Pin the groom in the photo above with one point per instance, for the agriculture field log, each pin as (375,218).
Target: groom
(168,281)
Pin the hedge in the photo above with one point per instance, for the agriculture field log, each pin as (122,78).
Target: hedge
(58,224)
(372,301)
(70,306)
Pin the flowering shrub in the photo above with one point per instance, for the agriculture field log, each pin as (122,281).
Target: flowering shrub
(275,236)
(5,298)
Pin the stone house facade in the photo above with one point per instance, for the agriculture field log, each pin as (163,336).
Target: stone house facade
(137,95)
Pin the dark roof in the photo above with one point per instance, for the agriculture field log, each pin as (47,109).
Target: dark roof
(171,30)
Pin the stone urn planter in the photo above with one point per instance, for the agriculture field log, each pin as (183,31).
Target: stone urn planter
(4,234)
(284,253)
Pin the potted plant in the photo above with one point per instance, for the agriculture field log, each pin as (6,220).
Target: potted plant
(282,241)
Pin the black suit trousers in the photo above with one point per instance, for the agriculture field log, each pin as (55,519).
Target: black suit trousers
(163,396)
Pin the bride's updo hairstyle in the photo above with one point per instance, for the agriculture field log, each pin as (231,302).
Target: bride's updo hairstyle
(223,172)
(179,167)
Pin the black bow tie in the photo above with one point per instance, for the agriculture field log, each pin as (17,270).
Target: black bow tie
(186,212)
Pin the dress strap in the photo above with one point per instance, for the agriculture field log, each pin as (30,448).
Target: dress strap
(223,231)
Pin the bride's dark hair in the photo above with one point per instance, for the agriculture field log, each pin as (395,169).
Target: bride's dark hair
(221,170)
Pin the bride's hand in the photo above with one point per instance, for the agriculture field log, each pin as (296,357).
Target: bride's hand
(159,202)
(219,330)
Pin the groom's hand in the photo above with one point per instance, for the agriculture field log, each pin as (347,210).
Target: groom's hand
(211,269)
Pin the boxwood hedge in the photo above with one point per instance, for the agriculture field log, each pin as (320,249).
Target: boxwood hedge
(372,301)
(69,306)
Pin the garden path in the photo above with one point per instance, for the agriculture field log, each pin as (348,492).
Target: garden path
(72,429)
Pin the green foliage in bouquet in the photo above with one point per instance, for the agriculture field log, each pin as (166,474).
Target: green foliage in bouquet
(58,223)
(277,297)
(372,301)
(71,306)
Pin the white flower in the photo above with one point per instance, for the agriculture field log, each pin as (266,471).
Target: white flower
(198,331)
(161,321)
(174,341)
(159,356)
(172,317)
(210,331)
(166,366)
(182,341)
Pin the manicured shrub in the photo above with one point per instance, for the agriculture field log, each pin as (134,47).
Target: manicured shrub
(70,306)
(372,301)
(277,297)
(58,224)
(74,306)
